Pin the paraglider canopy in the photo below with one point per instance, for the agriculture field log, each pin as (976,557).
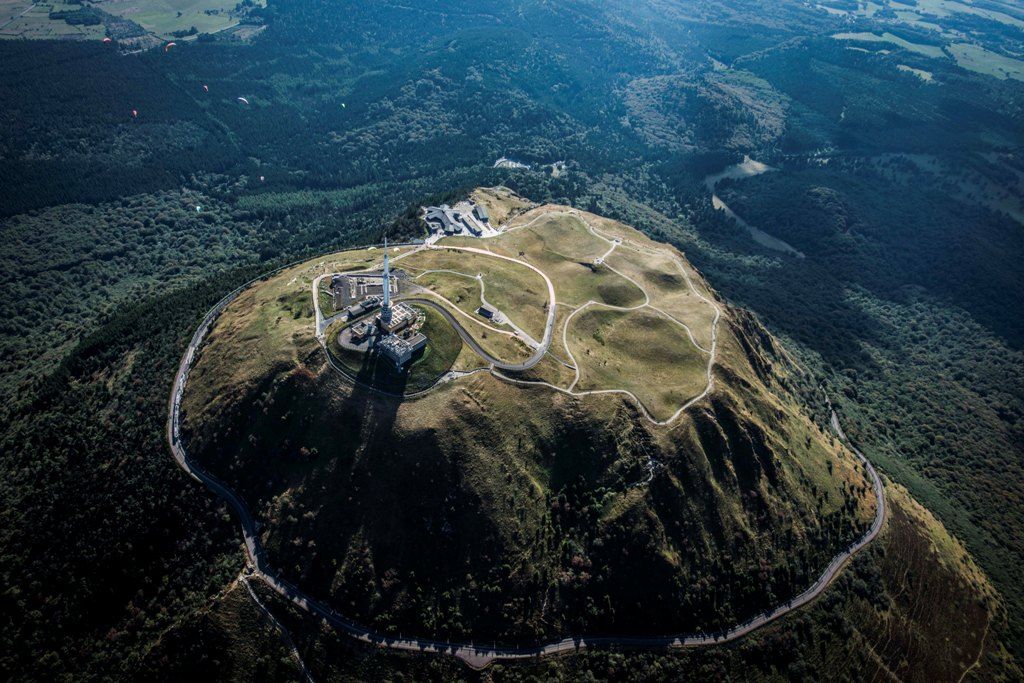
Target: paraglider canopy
(107,40)
(206,88)
(342,105)
(135,112)
(261,179)
(169,45)
(243,100)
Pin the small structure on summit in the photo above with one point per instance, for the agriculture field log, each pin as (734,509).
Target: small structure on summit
(392,318)
(393,330)
(365,306)
(401,349)
(361,331)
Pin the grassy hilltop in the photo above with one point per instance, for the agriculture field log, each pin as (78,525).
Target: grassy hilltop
(489,509)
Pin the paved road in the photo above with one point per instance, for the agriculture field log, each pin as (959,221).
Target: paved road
(475,655)
(473,344)
(549,324)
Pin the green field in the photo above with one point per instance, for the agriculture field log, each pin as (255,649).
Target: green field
(640,352)
(665,283)
(517,291)
(20,19)
(554,237)
(648,353)
(461,290)
(889,38)
(560,245)
(162,18)
(980,60)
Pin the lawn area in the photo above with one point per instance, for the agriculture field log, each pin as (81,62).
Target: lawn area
(560,236)
(639,351)
(516,290)
(461,290)
(577,283)
(614,349)
(561,245)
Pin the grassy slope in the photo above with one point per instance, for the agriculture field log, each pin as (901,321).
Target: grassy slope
(880,619)
(231,639)
(490,509)
(510,287)
(663,375)
(639,351)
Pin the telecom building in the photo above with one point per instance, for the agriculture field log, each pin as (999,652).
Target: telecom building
(393,319)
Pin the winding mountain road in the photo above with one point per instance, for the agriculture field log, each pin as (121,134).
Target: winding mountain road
(476,655)
(538,353)
(472,342)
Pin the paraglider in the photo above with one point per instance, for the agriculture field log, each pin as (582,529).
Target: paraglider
(135,113)
(169,45)
(243,100)
(261,179)
(107,40)
(342,105)
(206,88)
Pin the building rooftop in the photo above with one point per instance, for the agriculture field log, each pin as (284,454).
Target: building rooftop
(400,350)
